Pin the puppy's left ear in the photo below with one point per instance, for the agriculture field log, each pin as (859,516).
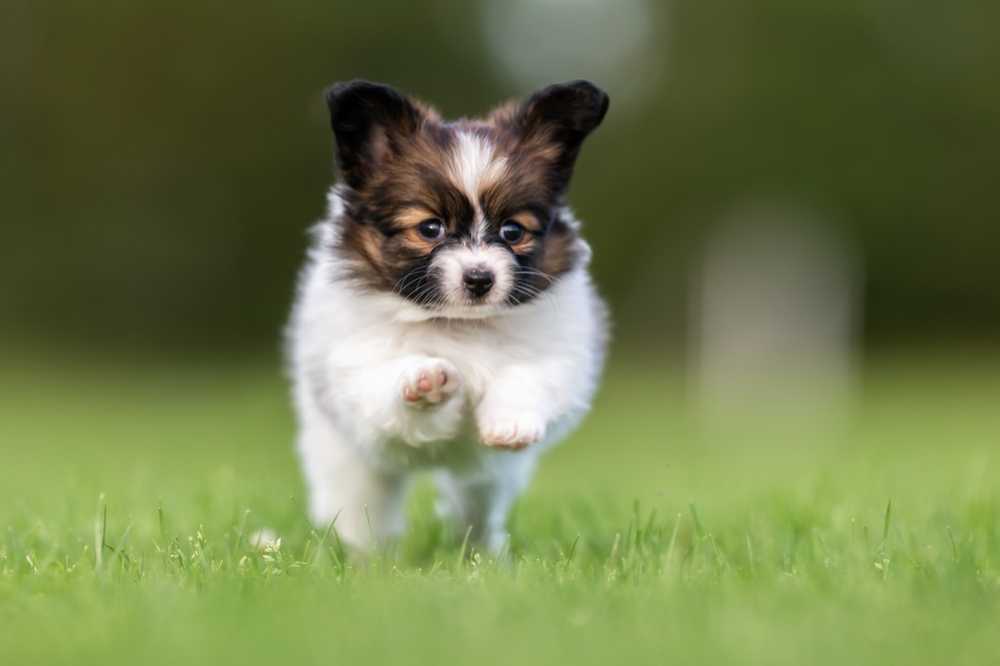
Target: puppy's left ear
(563,115)
(370,121)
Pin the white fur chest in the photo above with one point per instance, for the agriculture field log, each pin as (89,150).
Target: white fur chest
(540,360)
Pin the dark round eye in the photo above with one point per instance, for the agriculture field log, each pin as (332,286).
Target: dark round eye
(511,232)
(432,229)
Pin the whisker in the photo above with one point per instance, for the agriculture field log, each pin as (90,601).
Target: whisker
(407,280)
(527,270)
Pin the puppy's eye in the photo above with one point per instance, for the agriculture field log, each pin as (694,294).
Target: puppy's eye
(432,229)
(511,232)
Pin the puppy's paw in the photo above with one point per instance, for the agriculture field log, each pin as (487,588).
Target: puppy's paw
(429,381)
(511,431)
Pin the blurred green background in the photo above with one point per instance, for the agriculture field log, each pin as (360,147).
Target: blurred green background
(161,160)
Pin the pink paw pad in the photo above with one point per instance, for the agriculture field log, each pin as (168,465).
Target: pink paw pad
(430,384)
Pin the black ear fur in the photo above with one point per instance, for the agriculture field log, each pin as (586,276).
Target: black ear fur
(568,113)
(367,120)
(575,107)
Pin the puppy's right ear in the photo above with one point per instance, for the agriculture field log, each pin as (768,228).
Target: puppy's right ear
(369,122)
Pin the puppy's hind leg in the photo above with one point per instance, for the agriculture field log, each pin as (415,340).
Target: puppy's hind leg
(477,502)
(365,505)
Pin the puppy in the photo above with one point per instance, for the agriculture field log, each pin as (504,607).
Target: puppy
(445,319)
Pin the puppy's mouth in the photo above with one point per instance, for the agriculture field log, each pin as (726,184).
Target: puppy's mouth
(477,297)
(479,311)
(452,311)
(465,304)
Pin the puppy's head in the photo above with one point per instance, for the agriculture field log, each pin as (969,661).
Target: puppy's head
(466,218)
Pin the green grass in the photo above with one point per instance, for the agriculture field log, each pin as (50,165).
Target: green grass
(657,534)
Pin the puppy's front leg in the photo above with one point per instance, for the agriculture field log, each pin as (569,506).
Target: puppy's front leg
(414,398)
(519,407)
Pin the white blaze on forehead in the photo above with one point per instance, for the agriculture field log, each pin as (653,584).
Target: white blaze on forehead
(474,167)
(473,164)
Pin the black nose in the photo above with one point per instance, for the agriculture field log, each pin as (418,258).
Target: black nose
(478,281)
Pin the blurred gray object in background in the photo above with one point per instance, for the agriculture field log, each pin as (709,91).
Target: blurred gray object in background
(776,304)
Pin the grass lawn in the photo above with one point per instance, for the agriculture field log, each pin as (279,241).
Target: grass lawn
(654,535)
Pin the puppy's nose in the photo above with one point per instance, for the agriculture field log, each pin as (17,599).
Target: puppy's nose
(478,281)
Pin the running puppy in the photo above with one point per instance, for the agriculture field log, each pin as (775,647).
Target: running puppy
(445,318)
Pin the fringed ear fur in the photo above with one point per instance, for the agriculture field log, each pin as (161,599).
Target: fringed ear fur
(368,119)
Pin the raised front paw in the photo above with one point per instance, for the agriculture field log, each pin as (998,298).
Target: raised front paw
(429,381)
(511,431)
